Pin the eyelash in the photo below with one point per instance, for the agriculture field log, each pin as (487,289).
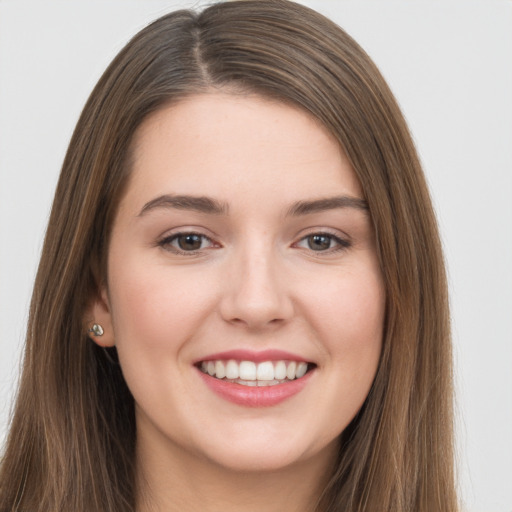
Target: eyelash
(166,243)
(341,244)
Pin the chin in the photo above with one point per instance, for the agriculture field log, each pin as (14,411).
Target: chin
(267,455)
(259,461)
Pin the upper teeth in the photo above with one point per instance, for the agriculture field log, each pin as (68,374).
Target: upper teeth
(249,370)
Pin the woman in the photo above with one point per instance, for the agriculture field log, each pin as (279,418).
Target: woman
(241,301)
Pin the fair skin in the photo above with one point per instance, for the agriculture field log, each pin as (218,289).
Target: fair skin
(262,272)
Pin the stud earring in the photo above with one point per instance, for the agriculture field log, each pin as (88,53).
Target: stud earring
(96,330)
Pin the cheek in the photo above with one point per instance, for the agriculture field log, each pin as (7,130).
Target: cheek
(155,311)
(349,310)
(348,316)
(155,308)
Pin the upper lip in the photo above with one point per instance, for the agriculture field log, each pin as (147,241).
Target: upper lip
(251,355)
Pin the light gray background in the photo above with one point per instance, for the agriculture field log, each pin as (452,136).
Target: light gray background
(450,66)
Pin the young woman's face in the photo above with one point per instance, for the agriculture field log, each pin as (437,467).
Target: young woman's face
(242,256)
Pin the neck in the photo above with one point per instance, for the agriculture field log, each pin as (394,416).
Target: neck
(183,482)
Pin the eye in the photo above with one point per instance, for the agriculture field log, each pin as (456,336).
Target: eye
(323,242)
(186,242)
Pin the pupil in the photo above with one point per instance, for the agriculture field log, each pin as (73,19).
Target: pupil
(319,242)
(189,242)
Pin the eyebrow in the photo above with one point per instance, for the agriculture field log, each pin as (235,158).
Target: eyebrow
(199,204)
(208,205)
(328,203)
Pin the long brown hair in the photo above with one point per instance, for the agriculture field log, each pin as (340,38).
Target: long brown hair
(72,438)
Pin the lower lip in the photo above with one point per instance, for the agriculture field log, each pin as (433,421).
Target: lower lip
(253,396)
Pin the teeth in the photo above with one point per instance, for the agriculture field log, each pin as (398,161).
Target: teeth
(259,383)
(301,370)
(280,370)
(290,371)
(265,371)
(220,370)
(249,373)
(232,370)
(247,370)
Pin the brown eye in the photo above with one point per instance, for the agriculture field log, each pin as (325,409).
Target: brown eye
(186,242)
(323,242)
(319,242)
(189,242)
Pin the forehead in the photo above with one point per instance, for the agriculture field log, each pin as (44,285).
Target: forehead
(233,146)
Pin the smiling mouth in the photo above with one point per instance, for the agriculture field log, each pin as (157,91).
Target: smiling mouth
(249,373)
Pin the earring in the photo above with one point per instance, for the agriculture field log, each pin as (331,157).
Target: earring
(96,330)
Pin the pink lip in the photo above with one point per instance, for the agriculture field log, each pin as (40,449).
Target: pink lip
(257,357)
(249,396)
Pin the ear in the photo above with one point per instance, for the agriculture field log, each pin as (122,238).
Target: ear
(98,313)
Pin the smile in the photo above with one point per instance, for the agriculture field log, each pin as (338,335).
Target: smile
(252,379)
(249,373)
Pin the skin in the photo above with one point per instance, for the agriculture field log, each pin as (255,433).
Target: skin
(256,284)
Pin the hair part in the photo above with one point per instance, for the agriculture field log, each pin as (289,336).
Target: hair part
(72,438)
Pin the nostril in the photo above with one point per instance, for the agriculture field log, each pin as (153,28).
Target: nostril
(253,302)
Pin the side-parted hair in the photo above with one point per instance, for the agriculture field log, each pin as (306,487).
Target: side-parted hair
(72,437)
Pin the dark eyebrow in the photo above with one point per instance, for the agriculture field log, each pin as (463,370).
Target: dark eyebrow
(199,204)
(328,203)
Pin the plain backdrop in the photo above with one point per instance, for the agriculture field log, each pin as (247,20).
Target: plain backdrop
(449,64)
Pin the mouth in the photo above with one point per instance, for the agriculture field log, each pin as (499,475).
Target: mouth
(255,374)
(255,378)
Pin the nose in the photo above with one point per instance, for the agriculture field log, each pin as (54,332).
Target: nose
(256,291)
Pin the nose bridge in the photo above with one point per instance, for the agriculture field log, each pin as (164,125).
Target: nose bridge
(256,292)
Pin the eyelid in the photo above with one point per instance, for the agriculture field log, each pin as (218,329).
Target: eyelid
(166,240)
(342,240)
